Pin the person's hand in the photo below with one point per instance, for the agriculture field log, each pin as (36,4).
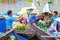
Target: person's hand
(50,11)
(4,17)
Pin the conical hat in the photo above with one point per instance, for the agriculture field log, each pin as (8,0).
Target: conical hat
(49,0)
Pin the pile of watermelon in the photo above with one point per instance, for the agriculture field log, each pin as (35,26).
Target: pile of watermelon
(44,25)
(21,27)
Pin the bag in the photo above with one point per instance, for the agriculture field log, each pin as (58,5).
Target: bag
(12,38)
(53,27)
(23,20)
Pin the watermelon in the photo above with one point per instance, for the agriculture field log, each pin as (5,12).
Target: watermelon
(44,25)
(20,27)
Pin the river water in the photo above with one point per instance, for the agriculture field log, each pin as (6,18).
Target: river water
(4,7)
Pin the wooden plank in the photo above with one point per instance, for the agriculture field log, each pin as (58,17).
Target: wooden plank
(50,36)
(4,36)
(41,33)
(9,31)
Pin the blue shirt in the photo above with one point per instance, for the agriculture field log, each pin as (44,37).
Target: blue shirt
(9,21)
(32,17)
(53,18)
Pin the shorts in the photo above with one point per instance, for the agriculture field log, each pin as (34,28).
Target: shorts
(7,30)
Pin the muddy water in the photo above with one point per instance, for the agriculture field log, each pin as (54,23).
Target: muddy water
(34,38)
(14,7)
(18,4)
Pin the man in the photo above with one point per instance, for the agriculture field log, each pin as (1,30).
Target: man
(55,15)
(9,20)
(34,6)
(47,7)
(32,18)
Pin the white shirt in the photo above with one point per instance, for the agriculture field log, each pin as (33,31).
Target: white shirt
(34,6)
(46,8)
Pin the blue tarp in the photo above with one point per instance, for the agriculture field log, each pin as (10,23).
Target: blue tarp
(18,36)
(21,37)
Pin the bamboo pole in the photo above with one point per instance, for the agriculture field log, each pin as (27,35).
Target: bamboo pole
(3,1)
(13,1)
(0,1)
(7,1)
(50,36)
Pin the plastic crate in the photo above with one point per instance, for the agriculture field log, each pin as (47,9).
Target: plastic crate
(2,25)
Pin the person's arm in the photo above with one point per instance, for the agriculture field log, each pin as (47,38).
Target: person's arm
(51,19)
(20,17)
(13,24)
